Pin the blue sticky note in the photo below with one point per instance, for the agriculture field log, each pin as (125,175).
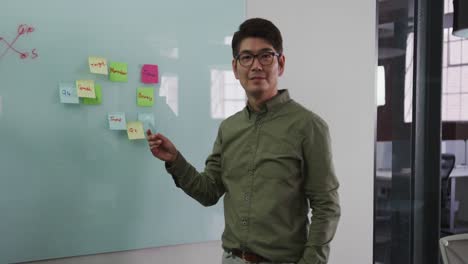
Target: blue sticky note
(148,121)
(117,121)
(68,93)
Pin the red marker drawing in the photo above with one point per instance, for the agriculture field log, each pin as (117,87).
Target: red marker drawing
(22,30)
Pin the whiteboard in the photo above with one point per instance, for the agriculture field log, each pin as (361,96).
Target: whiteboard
(69,185)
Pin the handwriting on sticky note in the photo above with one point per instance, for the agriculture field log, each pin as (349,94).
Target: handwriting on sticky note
(97,65)
(121,72)
(135,130)
(85,88)
(68,93)
(145,96)
(117,121)
(149,73)
(118,72)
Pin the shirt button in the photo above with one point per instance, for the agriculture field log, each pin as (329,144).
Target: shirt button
(244,221)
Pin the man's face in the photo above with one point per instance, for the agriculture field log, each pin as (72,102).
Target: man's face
(258,79)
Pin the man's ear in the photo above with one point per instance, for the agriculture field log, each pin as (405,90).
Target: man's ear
(234,68)
(281,64)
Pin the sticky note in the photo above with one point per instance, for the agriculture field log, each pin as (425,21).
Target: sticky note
(149,73)
(117,121)
(145,96)
(118,72)
(135,130)
(85,88)
(68,93)
(98,99)
(97,65)
(148,121)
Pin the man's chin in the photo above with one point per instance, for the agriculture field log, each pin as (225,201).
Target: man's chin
(256,92)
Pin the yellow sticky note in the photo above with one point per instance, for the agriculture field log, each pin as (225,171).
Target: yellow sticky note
(97,65)
(135,130)
(85,88)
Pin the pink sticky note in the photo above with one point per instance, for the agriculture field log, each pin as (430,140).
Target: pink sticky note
(149,73)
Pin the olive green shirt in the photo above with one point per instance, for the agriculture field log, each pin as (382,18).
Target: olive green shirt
(270,166)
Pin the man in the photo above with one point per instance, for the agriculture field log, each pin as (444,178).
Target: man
(271,161)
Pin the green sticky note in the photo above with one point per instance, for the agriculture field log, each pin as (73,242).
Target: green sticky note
(145,96)
(97,100)
(118,72)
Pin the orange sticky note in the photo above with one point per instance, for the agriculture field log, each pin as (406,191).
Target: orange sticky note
(135,130)
(85,88)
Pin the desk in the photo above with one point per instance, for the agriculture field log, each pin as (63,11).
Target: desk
(457,172)
(386,174)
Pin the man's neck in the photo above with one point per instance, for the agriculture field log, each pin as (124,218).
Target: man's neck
(256,102)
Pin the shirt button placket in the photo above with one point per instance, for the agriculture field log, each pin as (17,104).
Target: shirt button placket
(244,221)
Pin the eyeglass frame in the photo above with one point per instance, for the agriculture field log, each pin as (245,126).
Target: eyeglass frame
(255,56)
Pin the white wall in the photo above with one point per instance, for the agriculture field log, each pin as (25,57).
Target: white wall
(330,49)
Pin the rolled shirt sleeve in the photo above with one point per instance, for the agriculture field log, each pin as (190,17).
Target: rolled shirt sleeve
(205,187)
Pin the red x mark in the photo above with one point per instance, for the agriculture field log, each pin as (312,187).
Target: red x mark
(22,29)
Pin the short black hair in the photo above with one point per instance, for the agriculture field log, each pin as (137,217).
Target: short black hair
(257,28)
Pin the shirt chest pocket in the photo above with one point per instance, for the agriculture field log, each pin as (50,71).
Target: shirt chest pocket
(235,160)
(279,160)
(278,148)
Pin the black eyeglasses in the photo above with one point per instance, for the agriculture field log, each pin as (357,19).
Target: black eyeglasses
(265,58)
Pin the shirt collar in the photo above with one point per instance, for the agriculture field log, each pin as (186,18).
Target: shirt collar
(274,103)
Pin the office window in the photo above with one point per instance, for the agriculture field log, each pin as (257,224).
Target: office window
(380,86)
(227,95)
(454,77)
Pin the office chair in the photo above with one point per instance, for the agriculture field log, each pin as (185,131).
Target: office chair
(447,164)
(453,249)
